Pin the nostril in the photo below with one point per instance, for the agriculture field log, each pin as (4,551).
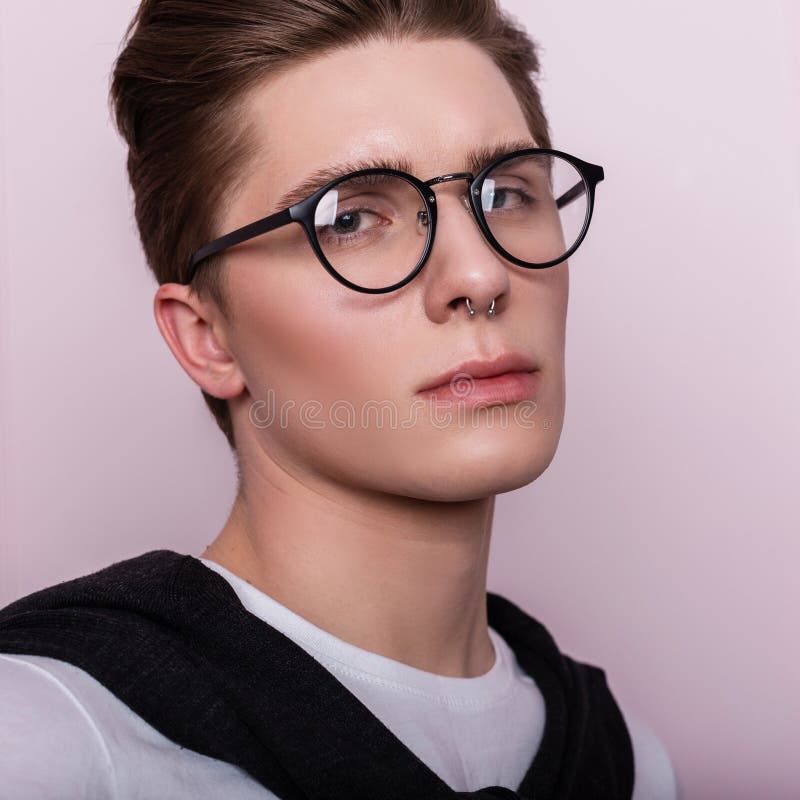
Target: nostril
(454,304)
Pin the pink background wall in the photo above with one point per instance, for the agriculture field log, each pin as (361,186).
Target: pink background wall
(664,541)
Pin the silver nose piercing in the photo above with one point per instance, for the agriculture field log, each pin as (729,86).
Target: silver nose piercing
(490,311)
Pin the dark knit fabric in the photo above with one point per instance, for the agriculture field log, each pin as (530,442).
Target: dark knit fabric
(170,638)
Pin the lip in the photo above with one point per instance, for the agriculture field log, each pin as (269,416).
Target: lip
(505,389)
(482,368)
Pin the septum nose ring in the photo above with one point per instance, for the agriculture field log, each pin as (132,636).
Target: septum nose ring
(489,312)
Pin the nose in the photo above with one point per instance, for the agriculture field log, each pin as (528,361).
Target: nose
(422,216)
(452,176)
(462,263)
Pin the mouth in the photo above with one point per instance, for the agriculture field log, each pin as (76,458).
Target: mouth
(479,372)
(510,387)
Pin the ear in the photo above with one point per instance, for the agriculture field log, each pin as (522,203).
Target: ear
(195,335)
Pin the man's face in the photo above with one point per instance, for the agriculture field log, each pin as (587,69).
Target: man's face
(332,374)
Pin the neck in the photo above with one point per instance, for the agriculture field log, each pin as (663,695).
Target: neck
(400,577)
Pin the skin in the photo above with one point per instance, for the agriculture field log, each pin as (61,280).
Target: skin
(378,534)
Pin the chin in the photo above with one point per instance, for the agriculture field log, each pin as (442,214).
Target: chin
(482,470)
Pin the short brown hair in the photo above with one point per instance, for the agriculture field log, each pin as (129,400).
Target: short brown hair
(177,91)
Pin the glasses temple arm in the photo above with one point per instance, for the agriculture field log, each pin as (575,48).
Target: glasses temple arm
(240,235)
(571,194)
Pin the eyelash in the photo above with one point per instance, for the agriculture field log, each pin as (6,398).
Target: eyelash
(527,199)
(344,238)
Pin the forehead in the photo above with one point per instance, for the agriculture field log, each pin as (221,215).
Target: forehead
(429,102)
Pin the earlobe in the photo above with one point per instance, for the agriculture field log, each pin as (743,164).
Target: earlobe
(185,324)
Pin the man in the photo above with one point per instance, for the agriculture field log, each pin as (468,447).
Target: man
(422,270)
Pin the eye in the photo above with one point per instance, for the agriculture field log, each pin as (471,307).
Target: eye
(513,196)
(509,198)
(349,222)
(352,227)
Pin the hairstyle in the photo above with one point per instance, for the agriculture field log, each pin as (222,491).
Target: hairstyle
(185,68)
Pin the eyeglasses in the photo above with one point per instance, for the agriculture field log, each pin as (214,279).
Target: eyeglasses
(373,230)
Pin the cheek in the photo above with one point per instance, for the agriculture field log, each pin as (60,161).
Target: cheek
(301,334)
(542,299)
(559,303)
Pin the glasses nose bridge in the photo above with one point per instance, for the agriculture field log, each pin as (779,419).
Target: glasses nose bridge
(451,176)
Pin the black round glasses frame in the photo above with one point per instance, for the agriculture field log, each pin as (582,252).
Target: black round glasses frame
(304,212)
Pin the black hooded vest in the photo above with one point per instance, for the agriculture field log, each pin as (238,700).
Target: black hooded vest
(171,639)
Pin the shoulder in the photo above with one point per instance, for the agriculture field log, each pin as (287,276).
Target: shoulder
(63,734)
(654,774)
(49,745)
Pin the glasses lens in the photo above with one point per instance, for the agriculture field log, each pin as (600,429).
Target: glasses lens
(536,206)
(372,229)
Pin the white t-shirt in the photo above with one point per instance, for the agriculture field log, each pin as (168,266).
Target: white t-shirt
(64,736)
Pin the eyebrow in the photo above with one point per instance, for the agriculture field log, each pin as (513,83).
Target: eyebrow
(475,160)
